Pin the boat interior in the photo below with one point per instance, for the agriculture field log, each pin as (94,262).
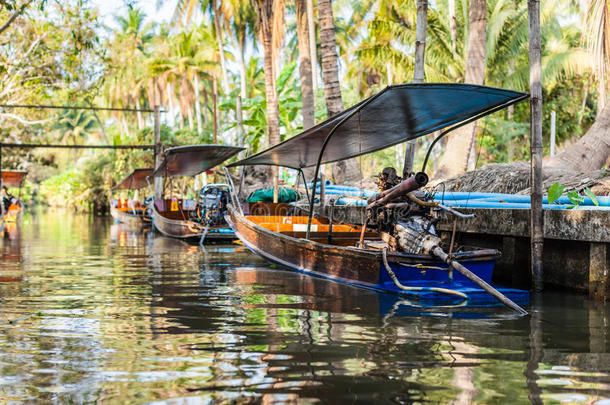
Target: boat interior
(176,209)
(126,206)
(321,231)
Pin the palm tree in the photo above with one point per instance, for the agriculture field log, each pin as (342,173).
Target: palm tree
(597,38)
(591,152)
(79,126)
(418,71)
(346,171)
(459,154)
(184,13)
(126,60)
(269,12)
(240,20)
(305,69)
(270,15)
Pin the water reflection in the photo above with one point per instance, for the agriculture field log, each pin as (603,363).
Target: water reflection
(103,313)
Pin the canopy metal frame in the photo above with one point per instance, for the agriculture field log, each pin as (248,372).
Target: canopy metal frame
(357,110)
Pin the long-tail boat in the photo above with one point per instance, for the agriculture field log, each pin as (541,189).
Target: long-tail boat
(132,211)
(396,249)
(203,218)
(11,210)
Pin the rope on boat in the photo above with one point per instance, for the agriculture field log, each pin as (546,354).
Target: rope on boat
(409,288)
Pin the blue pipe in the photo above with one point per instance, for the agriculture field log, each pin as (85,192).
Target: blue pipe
(358,202)
(513,198)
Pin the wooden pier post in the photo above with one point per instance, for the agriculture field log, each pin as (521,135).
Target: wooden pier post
(537,219)
(598,272)
(158,180)
(1,184)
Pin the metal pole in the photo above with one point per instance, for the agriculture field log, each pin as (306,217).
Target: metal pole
(302,173)
(537,219)
(438,252)
(407,169)
(322,190)
(553,119)
(158,182)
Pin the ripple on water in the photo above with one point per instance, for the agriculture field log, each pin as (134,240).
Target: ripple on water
(95,312)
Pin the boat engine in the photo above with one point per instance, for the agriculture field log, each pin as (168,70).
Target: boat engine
(213,201)
(405,220)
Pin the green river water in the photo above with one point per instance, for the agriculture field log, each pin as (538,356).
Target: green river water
(92,312)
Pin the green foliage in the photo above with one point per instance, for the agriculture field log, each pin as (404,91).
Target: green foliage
(575,198)
(555,191)
(591,195)
(55,55)
(255,109)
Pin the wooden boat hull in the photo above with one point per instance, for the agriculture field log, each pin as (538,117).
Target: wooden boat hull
(10,224)
(364,267)
(129,218)
(184,229)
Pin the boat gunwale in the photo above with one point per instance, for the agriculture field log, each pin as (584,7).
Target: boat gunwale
(392,257)
(128,218)
(186,223)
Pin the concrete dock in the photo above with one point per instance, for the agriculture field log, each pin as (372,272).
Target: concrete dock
(576,244)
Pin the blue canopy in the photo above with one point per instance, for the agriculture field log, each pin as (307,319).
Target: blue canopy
(394,115)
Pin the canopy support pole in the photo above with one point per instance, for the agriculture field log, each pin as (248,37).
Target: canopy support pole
(323,148)
(302,174)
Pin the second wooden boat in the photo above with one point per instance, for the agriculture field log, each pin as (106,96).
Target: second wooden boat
(132,211)
(11,211)
(202,218)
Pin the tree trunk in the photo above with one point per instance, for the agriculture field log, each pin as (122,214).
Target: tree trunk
(346,171)
(240,125)
(215,107)
(601,100)
(330,66)
(139,114)
(591,151)
(242,69)
(509,115)
(458,152)
(305,65)
(242,94)
(189,114)
(197,103)
(418,72)
(452,26)
(312,46)
(420,41)
(223,67)
(264,10)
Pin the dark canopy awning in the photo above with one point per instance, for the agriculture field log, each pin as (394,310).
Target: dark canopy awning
(194,159)
(13,178)
(394,115)
(135,180)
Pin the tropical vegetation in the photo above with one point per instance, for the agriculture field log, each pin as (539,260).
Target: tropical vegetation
(256,72)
